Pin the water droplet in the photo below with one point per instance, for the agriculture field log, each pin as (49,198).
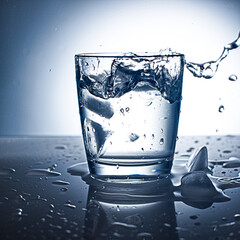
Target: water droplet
(233,77)
(221,108)
(61,147)
(19,211)
(161,130)
(42,172)
(167,225)
(6,171)
(190,149)
(227,151)
(122,110)
(117,166)
(127,109)
(118,208)
(21,197)
(125,225)
(231,164)
(69,205)
(60,182)
(153,136)
(133,137)
(64,189)
(161,141)
(193,217)
(51,206)
(227,224)
(237,216)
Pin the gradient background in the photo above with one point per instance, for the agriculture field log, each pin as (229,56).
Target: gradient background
(38,41)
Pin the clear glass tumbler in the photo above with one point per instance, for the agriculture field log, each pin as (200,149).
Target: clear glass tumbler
(129,110)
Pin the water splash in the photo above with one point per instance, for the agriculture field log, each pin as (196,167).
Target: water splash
(208,69)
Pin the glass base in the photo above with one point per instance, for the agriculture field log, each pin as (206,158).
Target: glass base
(131,169)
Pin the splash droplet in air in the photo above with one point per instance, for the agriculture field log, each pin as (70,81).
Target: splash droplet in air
(233,77)
(221,108)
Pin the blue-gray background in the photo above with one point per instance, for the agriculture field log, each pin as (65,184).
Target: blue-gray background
(38,40)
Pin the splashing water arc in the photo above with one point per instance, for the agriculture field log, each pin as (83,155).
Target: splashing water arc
(208,69)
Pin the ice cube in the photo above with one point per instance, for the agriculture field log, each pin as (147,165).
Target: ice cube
(96,105)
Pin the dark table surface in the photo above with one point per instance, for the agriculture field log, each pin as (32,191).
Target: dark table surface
(47,193)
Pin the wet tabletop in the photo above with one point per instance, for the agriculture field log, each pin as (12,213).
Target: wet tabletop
(47,193)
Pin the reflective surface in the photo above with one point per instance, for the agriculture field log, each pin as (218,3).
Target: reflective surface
(47,193)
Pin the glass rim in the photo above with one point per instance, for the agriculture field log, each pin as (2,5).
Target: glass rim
(129,54)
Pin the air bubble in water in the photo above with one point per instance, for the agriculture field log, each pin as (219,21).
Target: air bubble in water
(161,141)
(221,108)
(233,77)
(118,208)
